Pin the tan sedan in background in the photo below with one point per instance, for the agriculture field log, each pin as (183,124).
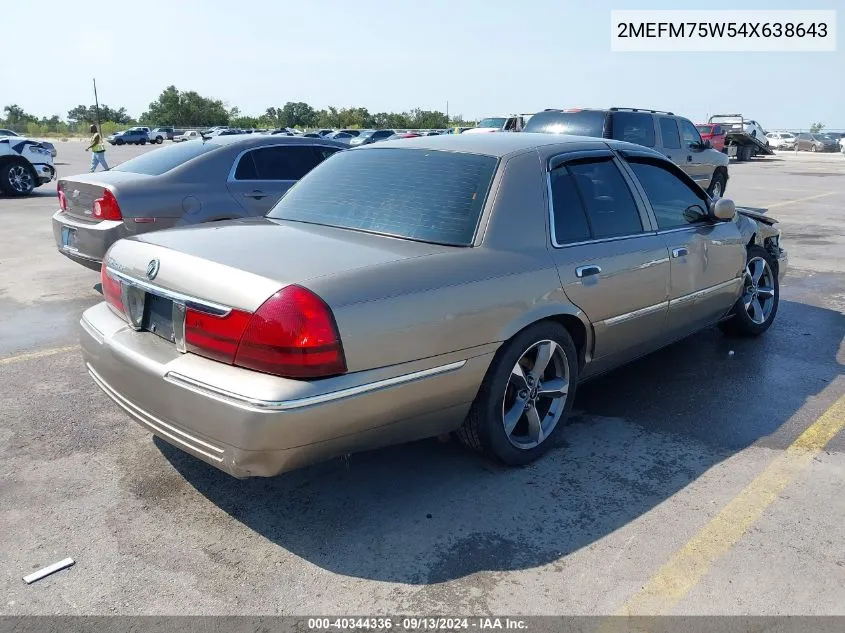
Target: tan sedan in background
(461,283)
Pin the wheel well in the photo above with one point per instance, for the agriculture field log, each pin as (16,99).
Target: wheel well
(14,160)
(721,169)
(752,241)
(576,330)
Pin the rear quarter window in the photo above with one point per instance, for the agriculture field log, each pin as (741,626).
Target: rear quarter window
(418,194)
(160,161)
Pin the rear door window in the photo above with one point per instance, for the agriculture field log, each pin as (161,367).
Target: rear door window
(633,127)
(591,200)
(669,133)
(281,162)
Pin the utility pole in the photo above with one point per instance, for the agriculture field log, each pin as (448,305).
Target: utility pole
(447,113)
(97,109)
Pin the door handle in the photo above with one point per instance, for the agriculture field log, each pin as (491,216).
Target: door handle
(256,195)
(680,252)
(587,271)
(689,158)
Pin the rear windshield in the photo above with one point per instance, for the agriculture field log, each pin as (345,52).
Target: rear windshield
(424,195)
(704,129)
(162,160)
(584,123)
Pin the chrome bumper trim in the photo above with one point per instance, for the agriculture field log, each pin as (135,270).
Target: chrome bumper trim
(254,404)
(214,453)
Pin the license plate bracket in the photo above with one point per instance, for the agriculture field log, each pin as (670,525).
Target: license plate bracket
(158,317)
(68,238)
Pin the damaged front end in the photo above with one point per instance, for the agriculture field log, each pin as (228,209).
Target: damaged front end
(762,230)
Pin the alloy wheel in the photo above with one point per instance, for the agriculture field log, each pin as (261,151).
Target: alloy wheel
(758,298)
(536,394)
(20,179)
(717,189)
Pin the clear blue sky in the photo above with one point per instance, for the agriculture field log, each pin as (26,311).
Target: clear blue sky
(484,57)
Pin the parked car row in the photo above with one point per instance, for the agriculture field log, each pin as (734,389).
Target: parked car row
(403,289)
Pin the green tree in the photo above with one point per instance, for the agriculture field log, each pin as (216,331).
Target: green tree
(426,119)
(297,114)
(815,128)
(88,114)
(187,109)
(17,118)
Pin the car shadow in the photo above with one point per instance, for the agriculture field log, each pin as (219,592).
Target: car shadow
(431,512)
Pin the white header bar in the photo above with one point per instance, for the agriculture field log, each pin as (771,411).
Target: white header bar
(723,31)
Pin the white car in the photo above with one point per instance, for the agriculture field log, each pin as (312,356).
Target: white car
(187,136)
(781,140)
(512,123)
(24,165)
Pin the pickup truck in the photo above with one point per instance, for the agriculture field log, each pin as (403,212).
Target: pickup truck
(24,165)
(161,134)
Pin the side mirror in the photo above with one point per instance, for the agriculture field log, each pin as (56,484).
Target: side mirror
(724,209)
(707,144)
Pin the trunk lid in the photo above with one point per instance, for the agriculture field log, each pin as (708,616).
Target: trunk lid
(241,263)
(82,190)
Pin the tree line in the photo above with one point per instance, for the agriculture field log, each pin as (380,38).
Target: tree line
(188,109)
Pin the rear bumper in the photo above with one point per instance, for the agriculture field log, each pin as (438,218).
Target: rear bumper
(251,424)
(89,242)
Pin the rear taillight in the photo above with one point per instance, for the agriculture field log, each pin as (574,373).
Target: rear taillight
(106,208)
(111,291)
(214,336)
(62,196)
(292,334)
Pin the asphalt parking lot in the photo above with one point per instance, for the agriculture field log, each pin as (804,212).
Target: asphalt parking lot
(694,481)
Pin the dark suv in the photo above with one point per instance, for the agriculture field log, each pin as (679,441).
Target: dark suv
(672,135)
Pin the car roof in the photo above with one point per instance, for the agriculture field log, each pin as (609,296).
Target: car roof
(498,144)
(251,140)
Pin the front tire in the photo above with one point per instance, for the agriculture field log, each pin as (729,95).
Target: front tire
(143,141)
(717,185)
(756,308)
(17,179)
(119,141)
(525,397)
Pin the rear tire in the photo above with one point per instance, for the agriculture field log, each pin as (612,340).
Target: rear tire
(143,141)
(119,141)
(515,417)
(756,308)
(813,148)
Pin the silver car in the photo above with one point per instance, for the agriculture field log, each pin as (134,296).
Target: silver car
(188,183)
(406,289)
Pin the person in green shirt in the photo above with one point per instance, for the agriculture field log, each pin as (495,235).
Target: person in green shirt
(98,150)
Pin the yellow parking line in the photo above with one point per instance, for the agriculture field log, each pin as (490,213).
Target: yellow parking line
(786,202)
(39,354)
(693,561)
